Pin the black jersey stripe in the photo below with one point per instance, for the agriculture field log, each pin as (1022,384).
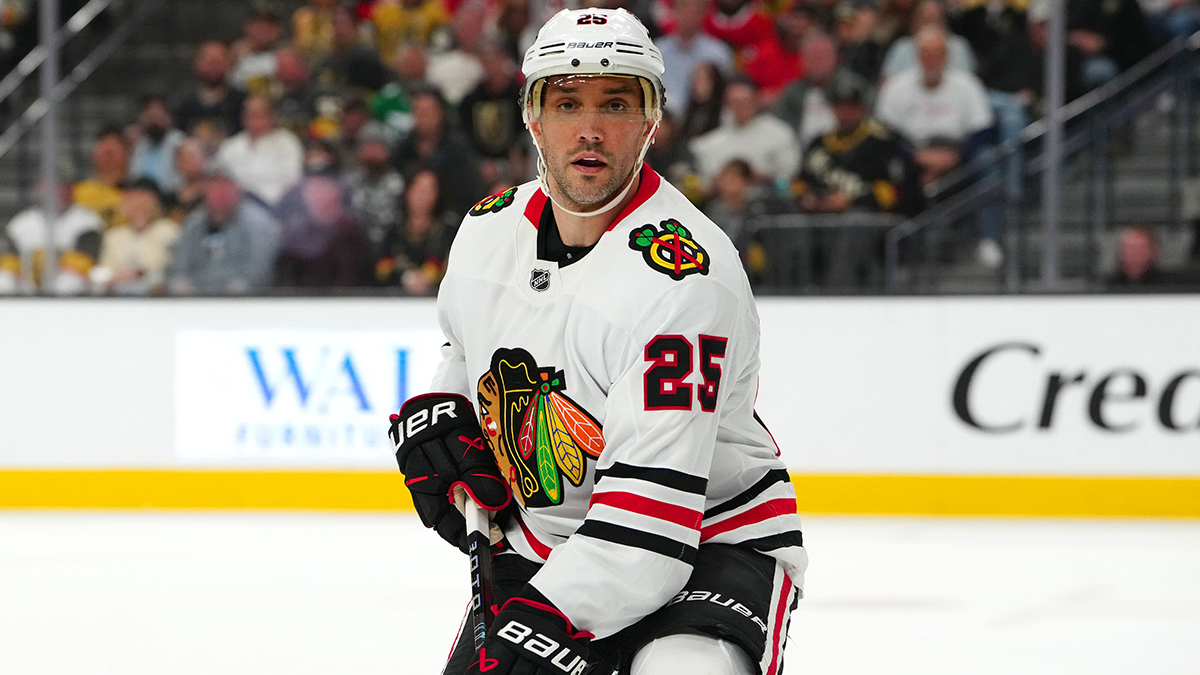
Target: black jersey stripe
(775,541)
(771,478)
(627,536)
(676,480)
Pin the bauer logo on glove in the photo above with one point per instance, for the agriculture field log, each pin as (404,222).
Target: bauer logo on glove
(440,450)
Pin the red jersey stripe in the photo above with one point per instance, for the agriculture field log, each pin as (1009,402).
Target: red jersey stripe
(542,550)
(533,210)
(672,513)
(646,189)
(780,611)
(764,511)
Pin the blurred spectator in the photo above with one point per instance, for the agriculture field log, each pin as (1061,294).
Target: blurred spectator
(213,111)
(1009,67)
(491,113)
(1137,261)
(350,67)
(435,144)
(670,157)
(763,140)
(854,26)
(110,165)
(403,22)
(10,266)
(158,139)
(264,160)
(902,55)
(858,166)
(134,257)
(393,104)
(1168,19)
(455,57)
(515,27)
(944,112)
(76,237)
(744,24)
(225,247)
(893,21)
(292,91)
(322,245)
(376,191)
(356,124)
(685,49)
(775,63)
(312,29)
(1110,35)
(803,106)
(736,199)
(191,160)
(418,248)
(706,96)
(254,55)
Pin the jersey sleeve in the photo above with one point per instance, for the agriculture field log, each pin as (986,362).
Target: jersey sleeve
(451,376)
(636,545)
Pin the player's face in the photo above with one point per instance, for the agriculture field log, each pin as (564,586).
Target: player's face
(591,131)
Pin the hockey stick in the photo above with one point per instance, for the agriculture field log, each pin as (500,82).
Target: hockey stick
(480,551)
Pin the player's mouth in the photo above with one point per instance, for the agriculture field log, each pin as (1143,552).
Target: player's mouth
(589,164)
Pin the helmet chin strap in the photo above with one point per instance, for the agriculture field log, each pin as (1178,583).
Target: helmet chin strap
(543,178)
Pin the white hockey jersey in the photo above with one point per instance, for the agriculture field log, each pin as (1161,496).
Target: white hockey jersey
(617,394)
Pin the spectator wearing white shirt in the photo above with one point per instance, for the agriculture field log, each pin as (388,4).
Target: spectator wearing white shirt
(685,49)
(944,112)
(764,141)
(902,55)
(264,160)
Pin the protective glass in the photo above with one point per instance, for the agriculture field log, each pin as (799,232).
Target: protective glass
(610,99)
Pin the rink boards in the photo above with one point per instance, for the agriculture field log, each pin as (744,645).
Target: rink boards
(1021,406)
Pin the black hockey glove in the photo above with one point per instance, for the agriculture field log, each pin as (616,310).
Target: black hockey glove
(530,637)
(439,446)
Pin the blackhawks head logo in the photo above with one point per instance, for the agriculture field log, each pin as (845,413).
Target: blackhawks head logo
(538,435)
(494,203)
(670,249)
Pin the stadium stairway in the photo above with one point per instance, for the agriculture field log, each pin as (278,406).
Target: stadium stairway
(156,60)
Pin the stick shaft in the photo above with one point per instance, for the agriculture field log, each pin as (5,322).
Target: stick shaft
(479,550)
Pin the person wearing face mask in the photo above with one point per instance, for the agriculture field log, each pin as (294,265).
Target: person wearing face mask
(376,190)
(154,152)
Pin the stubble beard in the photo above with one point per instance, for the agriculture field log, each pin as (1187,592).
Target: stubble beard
(589,191)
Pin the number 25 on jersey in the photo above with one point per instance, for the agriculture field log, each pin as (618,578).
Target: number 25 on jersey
(671,363)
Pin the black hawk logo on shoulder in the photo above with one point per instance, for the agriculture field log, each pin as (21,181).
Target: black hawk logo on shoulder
(494,203)
(670,249)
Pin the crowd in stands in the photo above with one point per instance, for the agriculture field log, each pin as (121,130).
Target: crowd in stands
(338,144)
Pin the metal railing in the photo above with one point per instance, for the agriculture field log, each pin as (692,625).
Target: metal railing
(913,248)
(813,252)
(37,110)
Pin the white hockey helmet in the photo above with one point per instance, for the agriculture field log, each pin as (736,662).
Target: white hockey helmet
(593,42)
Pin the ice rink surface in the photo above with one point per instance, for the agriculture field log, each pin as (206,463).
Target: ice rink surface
(231,593)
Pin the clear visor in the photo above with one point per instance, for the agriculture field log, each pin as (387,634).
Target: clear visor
(610,98)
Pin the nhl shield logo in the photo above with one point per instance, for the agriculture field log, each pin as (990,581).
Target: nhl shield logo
(539,280)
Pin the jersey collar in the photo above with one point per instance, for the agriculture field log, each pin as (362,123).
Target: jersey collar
(650,181)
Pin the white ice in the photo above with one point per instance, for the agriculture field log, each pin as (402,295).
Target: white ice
(230,593)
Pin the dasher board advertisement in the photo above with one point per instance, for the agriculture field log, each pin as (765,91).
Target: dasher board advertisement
(1028,386)
(296,396)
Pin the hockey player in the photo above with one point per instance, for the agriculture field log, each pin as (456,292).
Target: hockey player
(607,335)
